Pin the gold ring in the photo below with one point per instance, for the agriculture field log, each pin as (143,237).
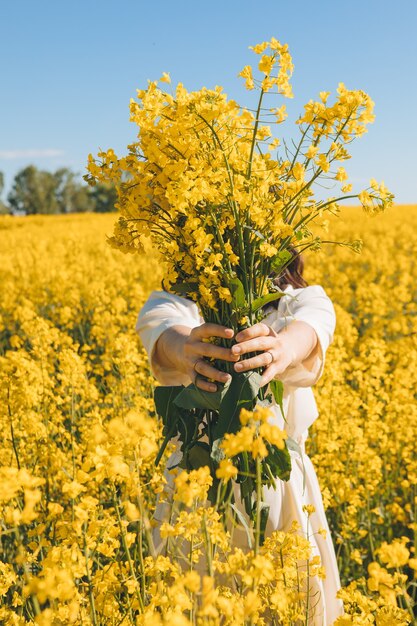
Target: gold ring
(271,355)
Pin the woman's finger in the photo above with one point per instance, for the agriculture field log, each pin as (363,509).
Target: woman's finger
(273,371)
(254,345)
(257,330)
(207,330)
(268,375)
(205,369)
(204,384)
(260,360)
(212,351)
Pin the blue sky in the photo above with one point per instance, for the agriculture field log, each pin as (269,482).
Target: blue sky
(70,68)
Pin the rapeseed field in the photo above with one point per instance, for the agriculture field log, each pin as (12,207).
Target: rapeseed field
(78,483)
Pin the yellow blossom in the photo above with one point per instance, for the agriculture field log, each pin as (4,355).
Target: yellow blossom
(311,152)
(341,174)
(309,509)
(226,470)
(322,162)
(273,434)
(241,441)
(224,294)
(246,73)
(395,554)
(192,485)
(165,78)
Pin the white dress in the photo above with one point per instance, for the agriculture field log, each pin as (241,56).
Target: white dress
(311,305)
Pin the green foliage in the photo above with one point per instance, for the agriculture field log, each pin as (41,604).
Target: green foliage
(34,191)
(37,191)
(241,394)
(104,197)
(277,389)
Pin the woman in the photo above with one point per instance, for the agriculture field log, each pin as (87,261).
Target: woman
(291,343)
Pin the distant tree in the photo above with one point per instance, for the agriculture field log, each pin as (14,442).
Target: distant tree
(34,191)
(72,196)
(104,197)
(3,207)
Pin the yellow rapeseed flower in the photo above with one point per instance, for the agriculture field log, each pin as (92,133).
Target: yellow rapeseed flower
(226,470)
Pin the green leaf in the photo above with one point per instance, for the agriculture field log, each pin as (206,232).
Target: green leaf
(277,389)
(238,293)
(183,288)
(169,434)
(246,482)
(164,398)
(192,397)
(247,487)
(293,445)
(199,455)
(281,259)
(268,479)
(164,404)
(243,467)
(257,232)
(243,521)
(241,393)
(217,453)
(246,490)
(279,462)
(270,297)
(263,514)
(187,426)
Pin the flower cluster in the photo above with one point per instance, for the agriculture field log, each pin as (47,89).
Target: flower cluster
(205,183)
(255,434)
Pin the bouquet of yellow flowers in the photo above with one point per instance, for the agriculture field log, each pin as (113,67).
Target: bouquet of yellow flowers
(228,214)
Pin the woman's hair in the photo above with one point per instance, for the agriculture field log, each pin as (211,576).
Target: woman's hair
(292,275)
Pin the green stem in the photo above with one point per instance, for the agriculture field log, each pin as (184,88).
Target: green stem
(369,524)
(251,285)
(255,130)
(89,581)
(208,546)
(297,151)
(405,595)
(16,453)
(302,248)
(312,216)
(308,577)
(33,598)
(258,504)
(127,551)
(294,209)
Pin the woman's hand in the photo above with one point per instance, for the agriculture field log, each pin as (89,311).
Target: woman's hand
(278,351)
(195,349)
(186,349)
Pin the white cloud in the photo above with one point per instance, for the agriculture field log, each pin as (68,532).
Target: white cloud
(30,154)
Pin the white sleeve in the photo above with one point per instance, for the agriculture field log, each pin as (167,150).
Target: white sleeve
(161,311)
(311,305)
